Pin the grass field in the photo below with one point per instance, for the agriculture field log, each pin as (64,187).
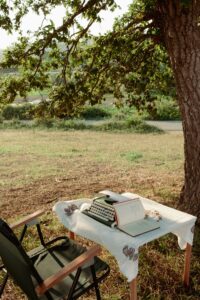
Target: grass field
(37,167)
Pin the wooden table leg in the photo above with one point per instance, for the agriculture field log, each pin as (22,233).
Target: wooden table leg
(72,235)
(186,273)
(133,289)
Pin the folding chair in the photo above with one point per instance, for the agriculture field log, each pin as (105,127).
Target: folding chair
(27,222)
(58,269)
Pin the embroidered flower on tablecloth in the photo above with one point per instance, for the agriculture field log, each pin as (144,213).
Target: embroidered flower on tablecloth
(192,229)
(70,209)
(130,253)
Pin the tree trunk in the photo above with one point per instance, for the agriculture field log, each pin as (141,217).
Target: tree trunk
(181,30)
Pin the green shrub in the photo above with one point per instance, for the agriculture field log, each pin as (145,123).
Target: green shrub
(44,122)
(61,124)
(124,113)
(145,128)
(166,109)
(94,112)
(134,125)
(20,112)
(133,122)
(72,124)
(111,125)
(139,126)
(1,118)
(14,124)
(129,125)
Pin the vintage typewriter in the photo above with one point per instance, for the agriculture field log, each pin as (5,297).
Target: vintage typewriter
(102,210)
(128,215)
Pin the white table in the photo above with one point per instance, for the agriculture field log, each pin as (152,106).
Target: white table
(124,247)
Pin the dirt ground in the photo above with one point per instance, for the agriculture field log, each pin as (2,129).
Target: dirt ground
(44,193)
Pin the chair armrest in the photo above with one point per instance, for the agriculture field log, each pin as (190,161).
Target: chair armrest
(65,271)
(27,219)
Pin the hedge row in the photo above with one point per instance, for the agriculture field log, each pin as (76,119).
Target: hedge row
(138,126)
(165,109)
(20,112)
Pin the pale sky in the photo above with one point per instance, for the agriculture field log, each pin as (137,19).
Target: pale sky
(31,22)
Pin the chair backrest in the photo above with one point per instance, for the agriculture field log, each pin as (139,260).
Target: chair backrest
(17,263)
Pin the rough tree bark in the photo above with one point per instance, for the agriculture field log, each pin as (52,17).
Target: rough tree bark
(181,30)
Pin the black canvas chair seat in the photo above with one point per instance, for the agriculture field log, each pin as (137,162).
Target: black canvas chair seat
(31,269)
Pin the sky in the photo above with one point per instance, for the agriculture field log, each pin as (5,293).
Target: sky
(32,21)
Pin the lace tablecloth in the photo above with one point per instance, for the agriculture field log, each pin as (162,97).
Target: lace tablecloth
(122,246)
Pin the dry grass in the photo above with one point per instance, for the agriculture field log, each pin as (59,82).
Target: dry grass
(30,155)
(38,167)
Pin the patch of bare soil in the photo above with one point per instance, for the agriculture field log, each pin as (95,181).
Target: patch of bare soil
(44,193)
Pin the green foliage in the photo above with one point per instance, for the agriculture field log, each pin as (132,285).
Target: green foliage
(154,77)
(13,124)
(137,126)
(61,124)
(1,118)
(88,67)
(55,48)
(20,112)
(5,21)
(141,127)
(129,125)
(44,122)
(94,112)
(113,126)
(166,109)
(124,112)
(75,125)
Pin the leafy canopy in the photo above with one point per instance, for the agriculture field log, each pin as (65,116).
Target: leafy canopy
(129,61)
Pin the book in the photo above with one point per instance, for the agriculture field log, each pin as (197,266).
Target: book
(130,217)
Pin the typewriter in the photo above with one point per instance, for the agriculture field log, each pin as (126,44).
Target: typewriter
(102,210)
